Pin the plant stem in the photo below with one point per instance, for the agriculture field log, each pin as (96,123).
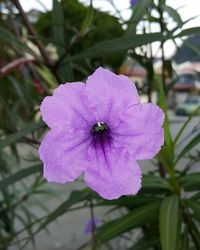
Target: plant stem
(95,245)
(162,28)
(188,221)
(40,46)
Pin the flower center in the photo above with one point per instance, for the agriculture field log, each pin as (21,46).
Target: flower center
(99,128)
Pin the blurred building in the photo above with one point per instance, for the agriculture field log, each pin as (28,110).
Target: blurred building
(134,71)
(138,75)
(183,78)
(187,81)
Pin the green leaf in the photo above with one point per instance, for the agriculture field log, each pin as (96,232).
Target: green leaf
(190,145)
(7,37)
(194,231)
(88,20)
(130,41)
(18,90)
(122,43)
(75,197)
(138,12)
(129,201)
(169,224)
(184,23)
(173,13)
(195,112)
(30,216)
(195,206)
(59,37)
(192,46)
(166,154)
(46,74)
(154,182)
(190,182)
(142,215)
(140,9)
(196,196)
(20,134)
(184,240)
(189,32)
(19,175)
(144,244)
(58,27)
(163,105)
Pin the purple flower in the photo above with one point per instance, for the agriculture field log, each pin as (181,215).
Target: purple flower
(89,225)
(133,2)
(100,129)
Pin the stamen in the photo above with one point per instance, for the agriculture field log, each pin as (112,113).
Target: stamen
(99,128)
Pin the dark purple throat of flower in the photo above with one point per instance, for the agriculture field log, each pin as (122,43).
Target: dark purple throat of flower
(101,133)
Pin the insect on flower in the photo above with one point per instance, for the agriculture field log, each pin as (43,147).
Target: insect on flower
(100,129)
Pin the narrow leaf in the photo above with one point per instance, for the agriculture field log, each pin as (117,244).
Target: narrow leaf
(150,181)
(173,13)
(133,201)
(190,145)
(58,27)
(122,43)
(20,134)
(189,32)
(75,197)
(195,206)
(19,175)
(144,244)
(46,74)
(166,154)
(169,225)
(192,46)
(138,12)
(7,37)
(129,41)
(65,71)
(190,182)
(88,19)
(185,241)
(195,112)
(163,105)
(142,215)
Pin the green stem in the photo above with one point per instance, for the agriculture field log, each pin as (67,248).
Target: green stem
(95,243)
(174,182)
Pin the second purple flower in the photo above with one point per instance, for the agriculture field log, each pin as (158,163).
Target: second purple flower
(133,2)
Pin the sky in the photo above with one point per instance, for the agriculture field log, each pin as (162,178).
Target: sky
(187,9)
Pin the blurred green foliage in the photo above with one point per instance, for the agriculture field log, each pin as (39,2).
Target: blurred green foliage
(87,25)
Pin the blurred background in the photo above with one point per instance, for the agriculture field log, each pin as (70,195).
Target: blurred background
(44,43)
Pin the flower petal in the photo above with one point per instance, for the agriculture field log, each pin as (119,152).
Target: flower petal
(113,173)
(64,155)
(140,130)
(66,107)
(108,93)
